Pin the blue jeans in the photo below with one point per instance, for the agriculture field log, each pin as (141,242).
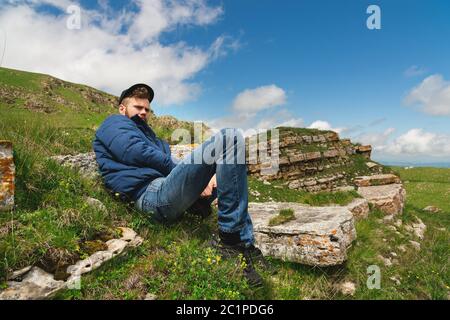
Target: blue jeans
(167,198)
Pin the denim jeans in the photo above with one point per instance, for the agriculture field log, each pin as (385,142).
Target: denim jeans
(167,198)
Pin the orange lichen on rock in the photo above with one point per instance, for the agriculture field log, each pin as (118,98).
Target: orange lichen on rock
(7,174)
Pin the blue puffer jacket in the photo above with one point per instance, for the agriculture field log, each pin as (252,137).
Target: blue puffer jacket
(130,156)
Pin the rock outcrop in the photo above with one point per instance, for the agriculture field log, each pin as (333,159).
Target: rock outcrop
(7,176)
(359,208)
(311,160)
(33,283)
(84,163)
(318,236)
(384,192)
(376,180)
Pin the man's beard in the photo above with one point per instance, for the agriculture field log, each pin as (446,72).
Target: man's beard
(129,116)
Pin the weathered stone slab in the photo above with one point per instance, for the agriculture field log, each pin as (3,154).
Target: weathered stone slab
(33,283)
(317,236)
(182,150)
(364,150)
(84,163)
(332,136)
(331,153)
(297,158)
(388,198)
(376,180)
(7,176)
(371,164)
(313,155)
(359,208)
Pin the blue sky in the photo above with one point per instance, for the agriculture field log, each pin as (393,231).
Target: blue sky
(315,62)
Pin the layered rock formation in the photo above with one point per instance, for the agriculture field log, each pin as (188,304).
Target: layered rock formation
(313,160)
(7,176)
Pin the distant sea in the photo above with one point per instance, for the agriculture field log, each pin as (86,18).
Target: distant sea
(416,164)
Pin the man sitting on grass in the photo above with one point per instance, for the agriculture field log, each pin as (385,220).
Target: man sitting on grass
(138,166)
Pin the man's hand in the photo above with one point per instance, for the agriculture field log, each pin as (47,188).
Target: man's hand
(209,188)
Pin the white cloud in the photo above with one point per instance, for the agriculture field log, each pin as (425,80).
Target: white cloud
(157,16)
(249,122)
(432,94)
(413,71)
(418,142)
(251,101)
(113,49)
(283,118)
(415,144)
(324,125)
(252,110)
(376,140)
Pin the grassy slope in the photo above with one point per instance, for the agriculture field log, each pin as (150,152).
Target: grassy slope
(175,262)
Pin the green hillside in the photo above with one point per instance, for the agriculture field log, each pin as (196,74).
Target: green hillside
(44,116)
(70,109)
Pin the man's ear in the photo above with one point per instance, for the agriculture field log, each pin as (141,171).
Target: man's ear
(122,109)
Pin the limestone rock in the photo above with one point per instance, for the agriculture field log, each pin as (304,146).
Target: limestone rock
(84,163)
(415,245)
(372,164)
(392,228)
(180,151)
(317,235)
(345,188)
(398,223)
(388,219)
(359,208)
(150,296)
(419,229)
(364,150)
(432,209)
(395,280)
(386,261)
(7,176)
(347,288)
(36,284)
(130,236)
(19,273)
(376,180)
(388,198)
(96,204)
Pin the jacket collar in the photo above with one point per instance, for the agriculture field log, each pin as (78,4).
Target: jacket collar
(143,126)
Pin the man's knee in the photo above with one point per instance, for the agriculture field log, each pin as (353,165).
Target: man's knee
(232,136)
(233,143)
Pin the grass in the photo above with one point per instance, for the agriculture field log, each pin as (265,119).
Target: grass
(24,80)
(277,191)
(283,216)
(175,262)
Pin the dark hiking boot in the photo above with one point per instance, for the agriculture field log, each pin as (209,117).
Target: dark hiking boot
(201,208)
(252,276)
(230,251)
(251,255)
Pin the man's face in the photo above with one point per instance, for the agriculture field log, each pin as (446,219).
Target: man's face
(135,106)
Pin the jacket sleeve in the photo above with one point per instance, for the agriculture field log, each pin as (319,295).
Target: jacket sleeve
(125,142)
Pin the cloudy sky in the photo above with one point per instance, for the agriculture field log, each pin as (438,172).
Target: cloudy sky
(256,64)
